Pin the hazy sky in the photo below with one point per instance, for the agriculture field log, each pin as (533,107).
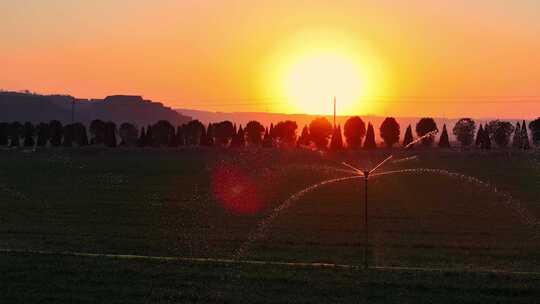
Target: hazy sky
(443,58)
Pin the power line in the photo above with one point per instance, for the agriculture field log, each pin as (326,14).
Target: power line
(385,100)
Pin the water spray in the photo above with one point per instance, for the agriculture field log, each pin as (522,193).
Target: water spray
(365,173)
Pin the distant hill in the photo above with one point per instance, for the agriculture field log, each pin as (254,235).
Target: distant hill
(304,119)
(15,106)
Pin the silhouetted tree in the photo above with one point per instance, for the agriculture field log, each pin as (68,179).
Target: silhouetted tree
(516,139)
(239,139)
(43,134)
(500,132)
(336,144)
(4,130)
(534,126)
(141,142)
(355,130)
(149,138)
(479,136)
(180,138)
(486,141)
(444,141)
(223,132)
(320,130)
(408,138)
(370,143)
(128,134)
(69,135)
(525,144)
(56,131)
(254,132)
(210,135)
(285,133)
(15,132)
(97,130)
(29,135)
(425,126)
(390,131)
(110,134)
(304,139)
(271,132)
(204,141)
(173,140)
(80,135)
(464,131)
(193,132)
(268,142)
(241,135)
(163,133)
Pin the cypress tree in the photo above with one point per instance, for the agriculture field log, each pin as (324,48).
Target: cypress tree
(171,137)
(142,138)
(173,140)
(480,137)
(42,134)
(267,140)
(337,140)
(486,140)
(113,135)
(235,141)
(180,138)
(303,140)
(15,133)
(84,136)
(203,139)
(149,138)
(3,134)
(210,134)
(516,139)
(110,134)
(408,139)
(56,131)
(241,137)
(525,144)
(80,136)
(238,140)
(68,136)
(444,141)
(272,132)
(28,135)
(370,143)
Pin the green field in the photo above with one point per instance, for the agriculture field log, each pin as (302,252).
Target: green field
(164,203)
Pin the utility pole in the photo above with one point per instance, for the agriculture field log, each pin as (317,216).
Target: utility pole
(334,112)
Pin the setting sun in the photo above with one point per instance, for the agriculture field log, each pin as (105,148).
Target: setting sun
(308,69)
(312,81)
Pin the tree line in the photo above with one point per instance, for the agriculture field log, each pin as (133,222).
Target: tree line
(319,134)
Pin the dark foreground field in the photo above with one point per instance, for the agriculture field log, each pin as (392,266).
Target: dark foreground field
(209,203)
(68,279)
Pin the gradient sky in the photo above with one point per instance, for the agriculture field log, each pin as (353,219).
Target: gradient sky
(444,58)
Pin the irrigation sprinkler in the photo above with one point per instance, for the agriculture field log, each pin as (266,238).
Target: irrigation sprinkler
(366,173)
(366,227)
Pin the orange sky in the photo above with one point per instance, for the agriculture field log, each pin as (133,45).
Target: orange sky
(441,58)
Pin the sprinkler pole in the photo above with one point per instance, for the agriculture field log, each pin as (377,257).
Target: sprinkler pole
(366,227)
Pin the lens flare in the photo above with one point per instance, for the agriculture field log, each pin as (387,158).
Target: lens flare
(236,191)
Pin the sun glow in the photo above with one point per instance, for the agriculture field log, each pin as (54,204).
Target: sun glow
(314,80)
(312,68)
